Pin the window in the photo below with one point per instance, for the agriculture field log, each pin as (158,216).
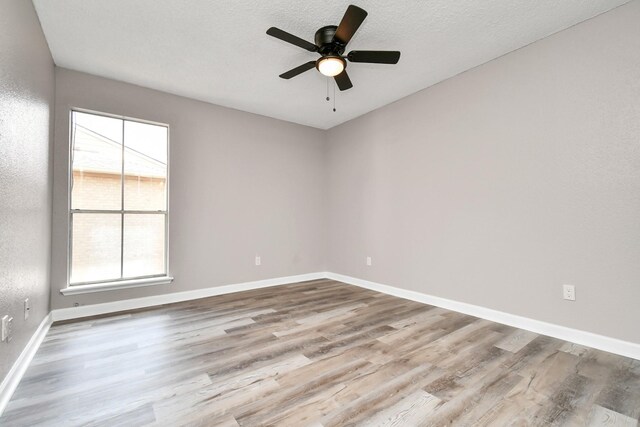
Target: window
(118,212)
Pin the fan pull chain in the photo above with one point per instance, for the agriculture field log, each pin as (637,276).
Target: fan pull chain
(327,89)
(334,98)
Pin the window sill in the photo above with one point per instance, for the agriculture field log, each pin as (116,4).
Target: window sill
(112,286)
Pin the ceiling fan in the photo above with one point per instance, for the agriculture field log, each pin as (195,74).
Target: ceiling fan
(330,43)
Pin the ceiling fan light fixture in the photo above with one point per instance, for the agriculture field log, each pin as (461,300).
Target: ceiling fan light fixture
(331,66)
(330,43)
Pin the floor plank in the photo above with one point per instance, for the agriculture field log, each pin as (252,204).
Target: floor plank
(605,417)
(409,411)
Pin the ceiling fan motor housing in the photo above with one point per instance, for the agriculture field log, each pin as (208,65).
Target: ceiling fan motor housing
(326,44)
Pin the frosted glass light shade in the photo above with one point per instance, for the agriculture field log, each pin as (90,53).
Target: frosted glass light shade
(331,66)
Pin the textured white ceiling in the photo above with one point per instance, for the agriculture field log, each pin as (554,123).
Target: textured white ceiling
(217,51)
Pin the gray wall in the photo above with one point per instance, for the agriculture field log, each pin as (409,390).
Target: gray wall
(26,102)
(497,186)
(240,185)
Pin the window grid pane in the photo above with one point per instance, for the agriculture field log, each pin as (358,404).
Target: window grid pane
(144,245)
(97,162)
(145,166)
(96,247)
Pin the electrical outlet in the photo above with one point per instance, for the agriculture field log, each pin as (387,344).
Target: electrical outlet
(258,260)
(569,292)
(7,323)
(369,260)
(27,308)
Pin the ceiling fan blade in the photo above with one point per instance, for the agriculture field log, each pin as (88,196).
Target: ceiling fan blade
(350,23)
(374,56)
(298,70)
(290,38)
(343,81)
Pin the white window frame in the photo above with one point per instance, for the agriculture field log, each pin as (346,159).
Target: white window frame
(122,282)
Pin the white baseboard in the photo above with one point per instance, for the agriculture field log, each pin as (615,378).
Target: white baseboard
(601,342)
(11,381)
(132,304)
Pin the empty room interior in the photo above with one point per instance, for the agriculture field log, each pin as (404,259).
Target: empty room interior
(301,213)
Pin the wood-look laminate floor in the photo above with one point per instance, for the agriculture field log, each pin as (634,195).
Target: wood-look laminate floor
(319,353)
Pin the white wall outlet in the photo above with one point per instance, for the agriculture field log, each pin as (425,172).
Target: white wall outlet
(569,292)
(368,260)
(6,328)
(27,308)
(258,260)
